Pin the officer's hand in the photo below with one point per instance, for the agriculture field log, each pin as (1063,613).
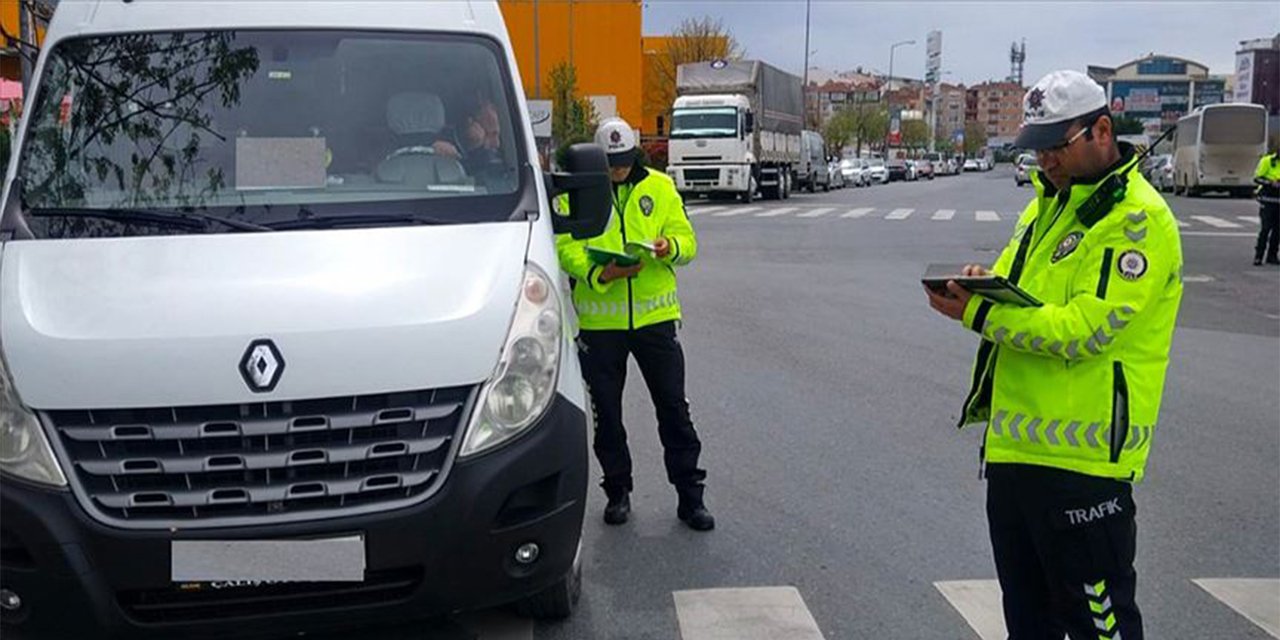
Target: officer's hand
(661,247)
(951,305)
(974,270)
(613,272)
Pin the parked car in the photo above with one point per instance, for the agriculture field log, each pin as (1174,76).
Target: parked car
(971,164)
(1159,172)
(876,171)
(898,170)
(924,168)
(853,172)
(1022,172)
(837,176)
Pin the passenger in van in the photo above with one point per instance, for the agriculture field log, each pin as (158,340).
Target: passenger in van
(417,119)
(476,140)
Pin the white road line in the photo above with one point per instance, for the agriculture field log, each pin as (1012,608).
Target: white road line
(1198,279)
(857,213)
(697,211)
(986,216)
(1257,599)
(944,214)
(1249,219)
(816,213)
(780,211)
(1214,221)
(735,211)
(1221,234)
(978,602)
(899,214)
(759,613)
(1181,224)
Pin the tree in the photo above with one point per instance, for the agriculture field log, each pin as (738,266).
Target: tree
(694,40)
(915,134)
(873,125)
(840,129)
(573,117)
(975,138)
(943,144)
(1128,125)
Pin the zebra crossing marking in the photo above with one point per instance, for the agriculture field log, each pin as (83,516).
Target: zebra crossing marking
(857,213)
(1181,224)
(978,602)
(697,211)
(986,216)
(1257,599)
(899,214)
(1249,219)
(816,213)
(757,613)
(944,214)
(773,213)
(1215,221)
(735,211)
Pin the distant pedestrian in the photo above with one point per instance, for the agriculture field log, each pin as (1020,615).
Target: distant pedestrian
(1267,177)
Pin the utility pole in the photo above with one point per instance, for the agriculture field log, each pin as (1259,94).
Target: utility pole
(805,85)
(537,61)
(25,33)
(889,87)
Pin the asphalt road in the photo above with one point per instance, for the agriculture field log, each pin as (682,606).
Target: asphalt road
(826,392)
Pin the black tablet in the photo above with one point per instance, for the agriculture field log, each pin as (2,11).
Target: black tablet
(995,288)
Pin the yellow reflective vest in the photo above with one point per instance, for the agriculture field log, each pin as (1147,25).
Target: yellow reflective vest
(1269,170)
(1076,384)
(646,207)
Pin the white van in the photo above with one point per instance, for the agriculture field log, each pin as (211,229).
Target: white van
(283,338)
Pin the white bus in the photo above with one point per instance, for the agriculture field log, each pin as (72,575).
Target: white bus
(1217,148)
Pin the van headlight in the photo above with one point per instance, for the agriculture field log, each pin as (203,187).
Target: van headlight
(24,450)
(525,380)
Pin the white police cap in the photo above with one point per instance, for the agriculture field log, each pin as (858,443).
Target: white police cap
(619,141)
(1057,100)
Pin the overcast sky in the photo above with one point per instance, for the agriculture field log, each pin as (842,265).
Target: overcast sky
(976,35)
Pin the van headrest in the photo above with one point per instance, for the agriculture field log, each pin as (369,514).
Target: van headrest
(415,112)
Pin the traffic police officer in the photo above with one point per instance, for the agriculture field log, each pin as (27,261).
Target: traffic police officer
(1267,177)
(634,311)
(1070,390)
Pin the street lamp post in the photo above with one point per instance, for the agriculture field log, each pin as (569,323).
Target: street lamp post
(804,90)
(888,87)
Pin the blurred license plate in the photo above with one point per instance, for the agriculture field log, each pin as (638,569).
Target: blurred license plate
(327,560)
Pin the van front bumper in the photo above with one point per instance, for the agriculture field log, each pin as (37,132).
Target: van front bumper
(455,551)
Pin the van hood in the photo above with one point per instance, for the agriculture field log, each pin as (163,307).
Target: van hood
(172,321)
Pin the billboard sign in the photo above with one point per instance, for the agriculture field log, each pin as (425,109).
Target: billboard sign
(933,59)
(1244,77)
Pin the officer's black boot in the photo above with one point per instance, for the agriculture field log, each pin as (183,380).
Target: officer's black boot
(618,509)
(693,511)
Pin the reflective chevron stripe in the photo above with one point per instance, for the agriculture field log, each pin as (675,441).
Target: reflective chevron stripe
(1058,433)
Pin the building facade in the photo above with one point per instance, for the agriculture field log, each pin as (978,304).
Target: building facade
(1158,89)
(996,106)
(1257,77)
(601,39)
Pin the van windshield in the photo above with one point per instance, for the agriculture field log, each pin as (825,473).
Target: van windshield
(269,127)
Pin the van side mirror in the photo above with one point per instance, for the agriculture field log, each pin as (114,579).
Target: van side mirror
(586,180)
(749,122)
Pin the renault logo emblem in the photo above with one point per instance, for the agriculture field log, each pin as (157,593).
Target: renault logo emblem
(261,366)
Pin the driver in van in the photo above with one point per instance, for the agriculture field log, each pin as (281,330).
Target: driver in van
(476,140)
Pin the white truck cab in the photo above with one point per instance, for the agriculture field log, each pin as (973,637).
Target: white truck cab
(283,334)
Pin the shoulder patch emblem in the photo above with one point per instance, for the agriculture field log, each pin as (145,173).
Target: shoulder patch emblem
(1068,246)
(1132,264)
(646,205)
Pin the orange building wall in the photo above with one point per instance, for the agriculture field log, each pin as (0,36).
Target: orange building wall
(600,37)
(654,47)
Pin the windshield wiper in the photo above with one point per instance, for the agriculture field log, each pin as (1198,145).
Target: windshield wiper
(177,219)
(355,220)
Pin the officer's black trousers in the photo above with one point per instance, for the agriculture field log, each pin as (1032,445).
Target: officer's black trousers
(1064,548)
(1269,236)
(604,366)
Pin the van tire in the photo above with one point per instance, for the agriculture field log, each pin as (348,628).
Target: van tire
(558,601)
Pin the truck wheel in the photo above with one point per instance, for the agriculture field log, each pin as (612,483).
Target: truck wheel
(558,601)
(748,195)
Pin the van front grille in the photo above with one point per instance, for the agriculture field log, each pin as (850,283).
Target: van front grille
(264,462)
